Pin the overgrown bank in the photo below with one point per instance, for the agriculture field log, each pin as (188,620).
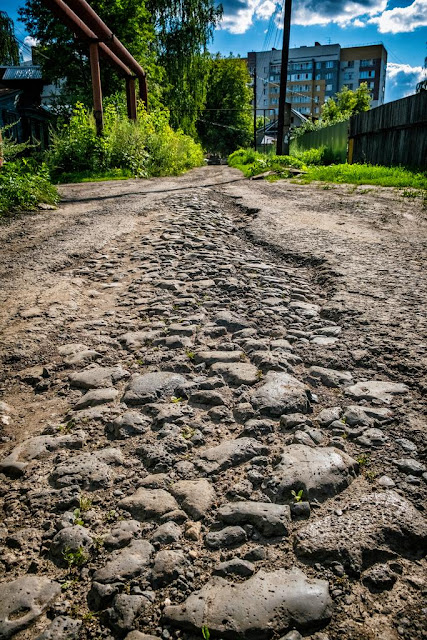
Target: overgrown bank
(145,148)
(312,164)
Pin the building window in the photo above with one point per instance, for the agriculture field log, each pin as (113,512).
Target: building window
(330,64)
(317,87)
(366,63)
(329,76)
(349,86)
(318,76)
(371,85)
(316,110)
(348,76)
(367,74)
(328,87)
(265,102)
(350,64)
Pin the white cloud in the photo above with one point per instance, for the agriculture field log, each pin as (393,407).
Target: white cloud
(30,42)
(396,72)
(402,79)
(240,14)
(26,49)
(402,19)
(265,9)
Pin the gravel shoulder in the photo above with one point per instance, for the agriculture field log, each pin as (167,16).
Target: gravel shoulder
(211,399)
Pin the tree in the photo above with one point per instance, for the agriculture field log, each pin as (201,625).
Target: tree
(9,50)
(64,57)
(183,31)
(226,124)
(168,38)
(346,103)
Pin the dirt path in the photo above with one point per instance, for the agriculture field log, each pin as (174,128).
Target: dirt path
(180,359)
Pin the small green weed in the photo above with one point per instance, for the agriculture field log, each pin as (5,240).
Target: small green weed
(188,432)
(363,460)
(85,503)
(205,633)
(297,496)
(111,516)
(68,584)
(98,542)
(176,399)
(75,559)
(190,354)
(259,374)
(77,517)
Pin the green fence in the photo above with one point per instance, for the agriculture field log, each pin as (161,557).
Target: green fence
(335,138)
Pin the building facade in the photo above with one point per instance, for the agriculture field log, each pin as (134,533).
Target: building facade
(315,74)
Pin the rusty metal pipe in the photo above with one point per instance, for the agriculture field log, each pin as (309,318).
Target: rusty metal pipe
(96,87)
(82,9)
(69,18)
(94,22)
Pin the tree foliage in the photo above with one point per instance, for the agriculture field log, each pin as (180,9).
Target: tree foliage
(64,57)
(183,30)
(168,38)
(226,124)
(9,50)
(346,103)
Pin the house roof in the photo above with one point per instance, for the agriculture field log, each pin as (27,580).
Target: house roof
(22,73)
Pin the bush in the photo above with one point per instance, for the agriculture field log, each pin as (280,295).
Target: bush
(147,147)
(24,184)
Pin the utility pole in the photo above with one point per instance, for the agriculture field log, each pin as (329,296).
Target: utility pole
(254,77)
(283,79)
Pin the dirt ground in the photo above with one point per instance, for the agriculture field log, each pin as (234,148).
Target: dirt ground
(357,253)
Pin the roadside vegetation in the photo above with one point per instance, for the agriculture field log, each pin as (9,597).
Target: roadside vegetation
(141,149)
(24,182)
(314,164)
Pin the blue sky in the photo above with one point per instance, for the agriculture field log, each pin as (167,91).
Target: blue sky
(254,25)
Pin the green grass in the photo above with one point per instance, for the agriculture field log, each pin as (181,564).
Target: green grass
(252,163)
(89,176)
(24,185)
(366,174)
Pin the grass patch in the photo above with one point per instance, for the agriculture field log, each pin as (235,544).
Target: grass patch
(88,176)
(311,161)
(252,163)
(366,174)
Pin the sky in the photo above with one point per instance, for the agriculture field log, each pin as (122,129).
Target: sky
(255,25)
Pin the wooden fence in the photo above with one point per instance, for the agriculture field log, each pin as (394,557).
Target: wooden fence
(393,134)
(390,135)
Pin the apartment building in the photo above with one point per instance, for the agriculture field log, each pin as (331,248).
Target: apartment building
(316,73)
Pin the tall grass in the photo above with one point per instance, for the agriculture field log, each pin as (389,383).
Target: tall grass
(24,185)
(147,147)
(366,174)
(252,163)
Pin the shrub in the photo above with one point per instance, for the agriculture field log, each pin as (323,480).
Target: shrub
(147,147)
(24,184)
